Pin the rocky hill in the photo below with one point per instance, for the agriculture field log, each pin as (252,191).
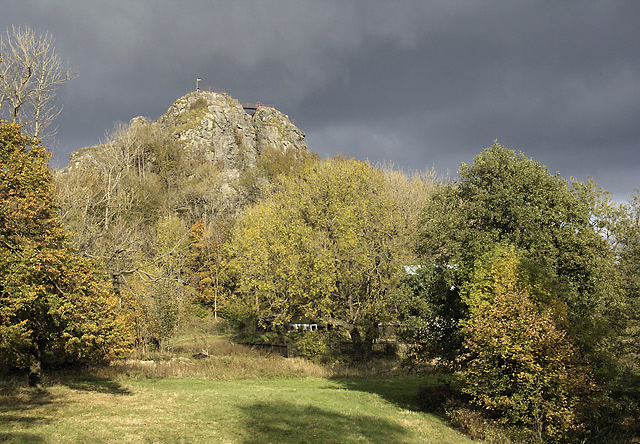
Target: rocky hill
(217,127)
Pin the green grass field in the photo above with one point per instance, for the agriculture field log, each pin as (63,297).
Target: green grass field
(192,410)
(237,395)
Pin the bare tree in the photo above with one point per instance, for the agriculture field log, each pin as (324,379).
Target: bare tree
(31,72)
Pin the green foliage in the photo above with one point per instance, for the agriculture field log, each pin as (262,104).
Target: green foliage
(519,364)
(309,345)
(519,292)
(506,197)
(210,264)
(431,310)
(51,300)
(163,296)
(627,233)
(273,161)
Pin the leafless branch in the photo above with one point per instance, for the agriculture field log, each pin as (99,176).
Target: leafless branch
(31,72)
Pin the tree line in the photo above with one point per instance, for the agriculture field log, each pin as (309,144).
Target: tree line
(521,283)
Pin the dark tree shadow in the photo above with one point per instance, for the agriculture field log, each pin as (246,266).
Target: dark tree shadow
(90,383)
(17,400)
(78,378)
(22,438)
(402,392)
(288,423)
(23,397)
(14,409)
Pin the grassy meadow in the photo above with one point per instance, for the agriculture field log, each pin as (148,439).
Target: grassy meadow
(237,395)
(191,410)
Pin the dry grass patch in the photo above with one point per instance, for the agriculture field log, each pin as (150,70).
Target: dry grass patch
(225,361)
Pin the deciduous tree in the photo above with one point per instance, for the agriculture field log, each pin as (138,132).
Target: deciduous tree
(506,197)
(129,205)
(627,235)
(209,263)
(520,365)
(328,244)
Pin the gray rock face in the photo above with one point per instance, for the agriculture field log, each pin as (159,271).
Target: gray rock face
(217,126)
(82,158)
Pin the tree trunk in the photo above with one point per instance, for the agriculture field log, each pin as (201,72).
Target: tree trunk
(35,370)
(362,346)
(358,344)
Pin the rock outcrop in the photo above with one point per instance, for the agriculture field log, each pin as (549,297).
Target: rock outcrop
(217,126)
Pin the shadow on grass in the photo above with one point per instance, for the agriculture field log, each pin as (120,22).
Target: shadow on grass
(19,403)
(402,392)
(25,438)
(288,423)
(91,383)
(81,379)
(23,396)
(15,412)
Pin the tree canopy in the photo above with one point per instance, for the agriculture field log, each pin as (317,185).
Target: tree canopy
(506,197)
(518,292)
(329,244)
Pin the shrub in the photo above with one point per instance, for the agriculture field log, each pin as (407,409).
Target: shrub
(310,345)
(198,104)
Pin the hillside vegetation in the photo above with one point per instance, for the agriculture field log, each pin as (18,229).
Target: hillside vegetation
(156,202)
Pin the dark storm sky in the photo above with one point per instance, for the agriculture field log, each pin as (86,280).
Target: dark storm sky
(418,83)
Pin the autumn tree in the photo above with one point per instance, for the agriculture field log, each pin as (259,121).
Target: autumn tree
(130,207)
(51,300)
(31,73)
(125,202)
(115,208)
(164,294)
(328,244)
(519,363)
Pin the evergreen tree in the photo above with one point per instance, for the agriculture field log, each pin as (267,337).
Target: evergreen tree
(50,299)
